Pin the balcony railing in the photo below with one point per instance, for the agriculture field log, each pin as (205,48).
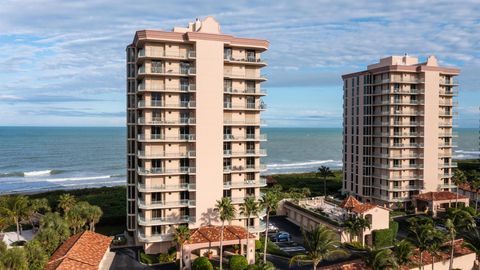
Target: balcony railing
(448,165)
(163,71)
(260,167)
(163,104)
(160,188)
(257,229)
(247,91)
(162,137)
(247,183)
(164,220)
(180,55)
(182,88)
(245,106)
(156,237)
(230,74)
(245,59)
(248,137)
(160,170)
(453,92)
(248,152)
(162,121)
(165,204)
(448,81)
(396,177)
(244,122)
(189,154)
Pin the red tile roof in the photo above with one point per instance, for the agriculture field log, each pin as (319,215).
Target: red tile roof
(82,251)
(439,196)
(362,208)
(211,233)
(350,202)
(458,250)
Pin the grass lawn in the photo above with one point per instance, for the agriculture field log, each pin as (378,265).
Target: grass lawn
(311,181)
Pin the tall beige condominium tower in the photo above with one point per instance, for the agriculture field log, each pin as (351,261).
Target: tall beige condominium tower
(397,130)
(194,103)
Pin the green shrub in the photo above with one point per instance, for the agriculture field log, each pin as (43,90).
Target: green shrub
(258,245)
(148,258)
(238,262)
(202,263)
(20,243)
(166,258)
(386,237)
(172,250)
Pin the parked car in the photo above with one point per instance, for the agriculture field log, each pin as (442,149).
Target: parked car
(281,237)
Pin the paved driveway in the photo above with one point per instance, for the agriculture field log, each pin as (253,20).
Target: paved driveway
(126,259)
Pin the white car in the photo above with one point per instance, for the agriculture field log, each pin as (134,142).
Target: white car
(272,228)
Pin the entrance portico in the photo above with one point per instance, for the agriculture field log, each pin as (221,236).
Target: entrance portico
(208,237)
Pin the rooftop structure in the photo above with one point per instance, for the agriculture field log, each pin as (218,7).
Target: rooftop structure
(86,250)
(194,99)
(310,212)
(398,130)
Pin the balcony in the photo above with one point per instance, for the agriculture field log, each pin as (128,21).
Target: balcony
(248,137)
(399,178)
(165,188)
(167,55)
(260,215)
(258,229)
(448,114)
(245,76)
(399,145)
(162,121)
(448,103)
(448,165)
(239,200)
(229,169)
(453,92)
(160,171)
(445,175)
(400,91)
(186,154)
(165,204)
(245,106)
(391,199)
(163,104)
(447,145)
(156,237)
(164,72)
(246,60)
(162,137)
(164,220)
(246,122)
(448,82)
(391,156)
(248,152)
(406,80)
(247,91)
(182,88)
(401,188)
(245,184)
(448,134)
(449,186)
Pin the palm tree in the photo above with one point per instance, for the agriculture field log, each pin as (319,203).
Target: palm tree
(458,178)
(226,212)
(93,214)
(181,234)
(320,243)
(381,259)
(269,201)
(250,208)
(76,218)
(14,259)
(66,202)
(55,222)
(421,230)
(403,250)
(16,209)
(36,206)
(435,245)
(458,219)
(472,241)
(475,184)
(355,225)
(325,172)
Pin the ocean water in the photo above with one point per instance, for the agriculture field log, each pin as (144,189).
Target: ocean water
(44,158)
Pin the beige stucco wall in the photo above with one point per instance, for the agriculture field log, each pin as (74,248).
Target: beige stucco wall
(431,120)
(209,127)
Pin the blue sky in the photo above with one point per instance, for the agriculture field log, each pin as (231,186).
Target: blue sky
(62,62)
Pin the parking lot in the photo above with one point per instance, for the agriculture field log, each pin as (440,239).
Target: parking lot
(296,239)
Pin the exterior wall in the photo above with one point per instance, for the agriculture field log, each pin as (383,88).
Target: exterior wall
(465,262)
(397,130)
(209,129)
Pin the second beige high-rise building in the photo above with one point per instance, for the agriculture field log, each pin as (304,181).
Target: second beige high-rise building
(397,128)
(194,103)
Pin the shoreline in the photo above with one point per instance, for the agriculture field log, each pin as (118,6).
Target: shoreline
(106,185)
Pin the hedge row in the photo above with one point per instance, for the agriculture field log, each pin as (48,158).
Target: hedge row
(386,237)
